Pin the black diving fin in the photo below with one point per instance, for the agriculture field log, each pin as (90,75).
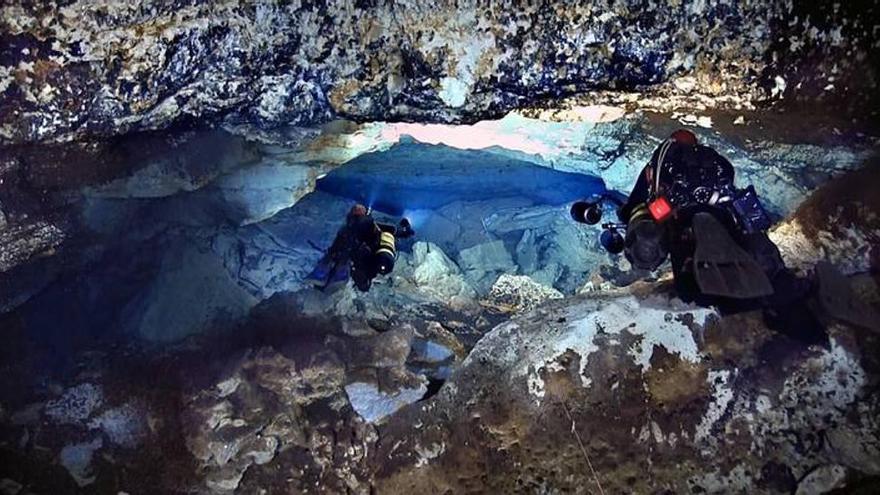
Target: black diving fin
(721,266)
(836,299)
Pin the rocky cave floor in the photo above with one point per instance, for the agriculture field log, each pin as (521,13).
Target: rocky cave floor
(159,336)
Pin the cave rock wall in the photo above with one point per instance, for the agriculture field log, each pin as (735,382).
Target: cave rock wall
(70,70)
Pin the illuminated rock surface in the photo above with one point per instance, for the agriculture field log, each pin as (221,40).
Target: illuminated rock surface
(77,69)
(160,336)
(661,395)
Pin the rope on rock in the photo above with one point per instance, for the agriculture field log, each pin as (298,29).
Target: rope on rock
(581,445)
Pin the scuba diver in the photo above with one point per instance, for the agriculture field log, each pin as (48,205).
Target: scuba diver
(362,250)
(685,206)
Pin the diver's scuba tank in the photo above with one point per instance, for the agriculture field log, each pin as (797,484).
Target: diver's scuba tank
(385,253)
(645,244)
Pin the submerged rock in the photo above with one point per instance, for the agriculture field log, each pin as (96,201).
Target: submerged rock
(278,407)
(79,69)
(435,274)
(373,405)
(520,293)
(26,240)
(77,459)
(124,425)
(483,263)
(76,404)
(839,223)
(823,479)
(659,395)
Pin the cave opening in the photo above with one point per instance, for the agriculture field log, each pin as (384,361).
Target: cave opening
(171,172)
(200,271)
(164,262)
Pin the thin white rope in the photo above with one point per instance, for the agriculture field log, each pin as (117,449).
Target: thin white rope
(581,445)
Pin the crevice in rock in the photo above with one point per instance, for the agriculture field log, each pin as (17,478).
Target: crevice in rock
(434,386)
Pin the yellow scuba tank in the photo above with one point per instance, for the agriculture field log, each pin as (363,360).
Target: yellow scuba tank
(386,253)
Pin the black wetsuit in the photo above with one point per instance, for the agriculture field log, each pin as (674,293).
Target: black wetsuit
(689,174)
(356,242)
(694,165)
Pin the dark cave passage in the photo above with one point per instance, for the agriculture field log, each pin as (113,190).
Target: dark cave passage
(161,268)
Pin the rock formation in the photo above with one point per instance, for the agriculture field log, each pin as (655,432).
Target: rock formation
(71,70)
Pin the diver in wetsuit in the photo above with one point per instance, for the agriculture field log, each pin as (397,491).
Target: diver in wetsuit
(685,205)
(351,252)
(362,249)
(685,181)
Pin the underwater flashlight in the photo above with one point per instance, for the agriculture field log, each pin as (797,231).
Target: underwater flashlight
(612,240)
(645,243)
(588,212)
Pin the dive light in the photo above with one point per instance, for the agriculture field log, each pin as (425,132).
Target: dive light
(588,212)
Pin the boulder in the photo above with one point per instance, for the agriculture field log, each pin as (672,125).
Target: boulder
(437,275)
(527,252)
(823,479)
(484,262)
(655,394)
(26,240)
(840,222)
(192,293)
(76,404)
(373,405)
(519,293)
(266,405)
(77,459)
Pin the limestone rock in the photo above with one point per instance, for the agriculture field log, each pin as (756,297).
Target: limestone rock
(386,350)
(434,273)
(26,240)
(823,479)
(126,67)
(77,459)
(125,425)
(276,407)
(527,252)
(76,404)
(839,223)
(662,395)
(484,262)
(373,405)
(520,293)
(191,293)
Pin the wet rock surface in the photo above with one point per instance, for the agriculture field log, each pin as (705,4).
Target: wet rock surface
(650,391)
(212,224)
(703,411)
(76,69)
(211,367)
